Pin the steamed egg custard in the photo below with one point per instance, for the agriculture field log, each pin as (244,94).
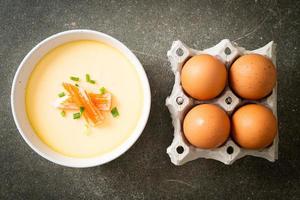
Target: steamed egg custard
(84,98)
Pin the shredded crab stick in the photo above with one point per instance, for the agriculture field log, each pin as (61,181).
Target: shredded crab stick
(65,103)
(101,101)
(80,97)
(89,104)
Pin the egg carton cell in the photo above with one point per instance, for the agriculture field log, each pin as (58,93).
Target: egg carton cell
(179,103)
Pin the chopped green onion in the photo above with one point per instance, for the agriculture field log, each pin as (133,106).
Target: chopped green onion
(62,94)
(92,81)
(63,113)
(87,77)
(81,110)
(114,112)
(89,80)
(102,90)
(76,115)
(73,78)
(76,85)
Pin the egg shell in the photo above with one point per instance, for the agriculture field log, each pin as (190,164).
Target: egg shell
(252,76)
(203,77)
(206,126)
(254,126)
(179,103)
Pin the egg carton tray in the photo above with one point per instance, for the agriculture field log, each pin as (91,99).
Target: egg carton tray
(179,103)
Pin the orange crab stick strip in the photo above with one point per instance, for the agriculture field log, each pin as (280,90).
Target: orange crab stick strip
(81,98)
(101,101)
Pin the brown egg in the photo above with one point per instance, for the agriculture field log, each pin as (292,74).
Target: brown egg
(252,76)
(254,126)
(206,126)
(203,77)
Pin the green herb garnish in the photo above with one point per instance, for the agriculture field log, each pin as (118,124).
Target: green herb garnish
(74,78)
(76,115)
(63,113)
(102,90)
(76,85)
(87,77)
(81,110)
(89,80)
(62,94)
(114,112)
(92,81)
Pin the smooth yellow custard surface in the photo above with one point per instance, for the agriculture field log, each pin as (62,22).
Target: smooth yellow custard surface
(112,70)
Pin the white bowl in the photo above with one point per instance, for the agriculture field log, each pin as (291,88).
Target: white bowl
(18,98)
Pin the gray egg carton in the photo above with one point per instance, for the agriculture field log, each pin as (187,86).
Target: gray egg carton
(179,103)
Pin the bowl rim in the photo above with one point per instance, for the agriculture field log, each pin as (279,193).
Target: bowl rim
(118,151)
